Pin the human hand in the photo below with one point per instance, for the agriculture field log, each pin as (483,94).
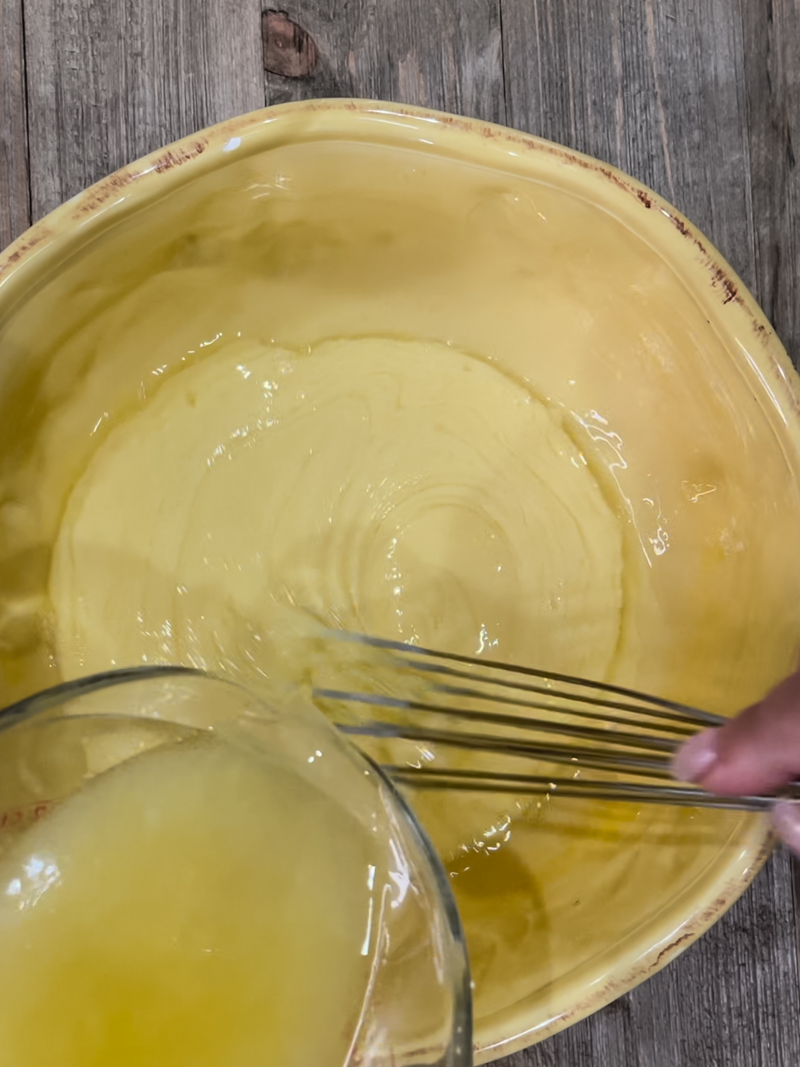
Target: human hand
(757,752)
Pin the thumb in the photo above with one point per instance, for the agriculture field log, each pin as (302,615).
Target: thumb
(757,752)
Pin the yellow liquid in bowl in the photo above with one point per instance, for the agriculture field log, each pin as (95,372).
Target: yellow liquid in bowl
(439,403)
(167,915)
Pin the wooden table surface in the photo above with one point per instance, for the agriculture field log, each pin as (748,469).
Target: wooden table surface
(700,99)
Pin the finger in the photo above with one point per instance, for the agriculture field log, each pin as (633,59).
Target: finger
(695,758)
(757,752)
(786,821)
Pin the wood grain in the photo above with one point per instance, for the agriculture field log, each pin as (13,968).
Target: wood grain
(772,84)
(445,54)
(14,185)
(109,80)
(698,98)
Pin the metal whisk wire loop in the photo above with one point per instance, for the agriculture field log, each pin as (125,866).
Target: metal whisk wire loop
(503,714)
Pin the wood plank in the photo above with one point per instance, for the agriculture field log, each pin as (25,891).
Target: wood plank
(772,84)
(14,189)
(444,55)
(109,82)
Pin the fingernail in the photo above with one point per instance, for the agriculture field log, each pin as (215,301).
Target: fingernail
(786,820)
(695,759)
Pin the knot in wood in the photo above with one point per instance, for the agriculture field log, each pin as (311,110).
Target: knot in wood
(289,50)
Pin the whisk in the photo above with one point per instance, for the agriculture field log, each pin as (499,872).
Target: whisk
(625,738)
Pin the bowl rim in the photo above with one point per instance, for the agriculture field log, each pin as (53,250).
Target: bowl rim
(81,218)
(729,307)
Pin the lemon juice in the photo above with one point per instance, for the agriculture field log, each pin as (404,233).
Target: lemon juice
(198,905)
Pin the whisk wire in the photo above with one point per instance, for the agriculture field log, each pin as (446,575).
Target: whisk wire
(592,713)
(580,789)
(646,766)
(560,720)
(596,705)
(587,733)
(702,718)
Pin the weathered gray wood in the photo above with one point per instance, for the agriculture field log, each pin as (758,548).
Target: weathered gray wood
(14,187)
(109,82)
(772,81)
(444,54)
(698,98)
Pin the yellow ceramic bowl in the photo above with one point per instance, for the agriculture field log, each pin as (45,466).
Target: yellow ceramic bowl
(562,284)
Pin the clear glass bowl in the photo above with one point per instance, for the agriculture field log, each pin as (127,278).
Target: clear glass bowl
(417,1009)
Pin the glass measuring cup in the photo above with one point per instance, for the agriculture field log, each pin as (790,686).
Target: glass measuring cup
(416,1006)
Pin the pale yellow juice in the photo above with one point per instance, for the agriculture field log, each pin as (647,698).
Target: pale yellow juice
(198,906)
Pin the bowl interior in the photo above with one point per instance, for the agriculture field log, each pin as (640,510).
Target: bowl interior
(556,347)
